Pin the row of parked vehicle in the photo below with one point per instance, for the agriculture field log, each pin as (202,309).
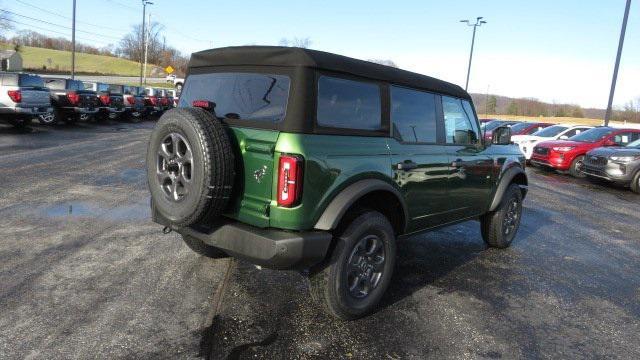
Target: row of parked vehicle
(25,97)
(602,152)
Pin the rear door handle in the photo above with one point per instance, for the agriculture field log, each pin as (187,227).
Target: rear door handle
(457,163)
(406,165)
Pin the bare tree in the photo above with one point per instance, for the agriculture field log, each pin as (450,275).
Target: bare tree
(131,44)
(304,43)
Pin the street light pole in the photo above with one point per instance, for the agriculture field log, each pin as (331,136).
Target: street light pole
(607,115)
(478,22)
(73,43)
(144,33)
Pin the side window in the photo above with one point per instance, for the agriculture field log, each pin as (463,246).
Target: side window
(534,129)
(573,132)
(461,126)
(56,84)
(413,114)
(348,104)
(623,138)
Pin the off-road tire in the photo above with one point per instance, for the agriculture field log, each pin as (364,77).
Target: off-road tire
(492,223)
(212,167)
(574,169)
(635,183)
(203,249)
(329,287)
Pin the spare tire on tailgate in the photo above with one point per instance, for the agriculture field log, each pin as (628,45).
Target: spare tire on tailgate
(190,167)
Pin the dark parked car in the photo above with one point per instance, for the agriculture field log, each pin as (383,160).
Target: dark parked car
(22,97)
(134,103)
(528,128)
(152,101)
(490,126)
(615,164)
(299,159)
(112,102)
(71,102)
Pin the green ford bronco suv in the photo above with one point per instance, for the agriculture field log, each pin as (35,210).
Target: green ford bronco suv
(299,159)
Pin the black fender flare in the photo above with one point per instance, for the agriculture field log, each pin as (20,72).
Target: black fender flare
(506,178)
(336,209)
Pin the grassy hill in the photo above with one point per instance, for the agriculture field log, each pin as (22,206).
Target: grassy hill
(37,59)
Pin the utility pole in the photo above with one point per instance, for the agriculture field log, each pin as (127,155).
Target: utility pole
(73,43)
(479,22)
(607,115)
(146,51)
(142,48)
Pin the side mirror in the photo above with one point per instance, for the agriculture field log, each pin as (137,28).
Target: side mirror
(501,136)
(563,137)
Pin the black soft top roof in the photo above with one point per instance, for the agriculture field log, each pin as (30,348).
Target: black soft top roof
(298,57)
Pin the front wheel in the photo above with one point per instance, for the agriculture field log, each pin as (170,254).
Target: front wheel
(576,167)
(360,268)
(499,227)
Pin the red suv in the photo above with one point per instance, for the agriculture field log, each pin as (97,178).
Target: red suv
(569,154)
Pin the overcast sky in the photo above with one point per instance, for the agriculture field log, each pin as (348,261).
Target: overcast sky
(559,51)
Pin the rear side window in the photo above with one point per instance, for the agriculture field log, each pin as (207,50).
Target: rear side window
(75,85)
(103,87)
(30,80)
(56,84)
(348,104)
(116,89)
(241,96)
(413,114)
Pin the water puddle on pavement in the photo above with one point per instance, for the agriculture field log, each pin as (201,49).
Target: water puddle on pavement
(79,209)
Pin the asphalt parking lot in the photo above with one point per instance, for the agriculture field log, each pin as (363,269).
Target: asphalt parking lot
(85,274)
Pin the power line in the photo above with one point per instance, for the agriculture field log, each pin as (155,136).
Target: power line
(66,17)
(131,8)
(60,26)
(53,31)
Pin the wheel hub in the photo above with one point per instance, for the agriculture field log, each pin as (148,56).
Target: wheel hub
(174,167)
(365,266)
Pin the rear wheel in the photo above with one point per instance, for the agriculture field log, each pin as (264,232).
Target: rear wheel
(635,183)
(576,167)
(49,118)
(360,268)
(499,227)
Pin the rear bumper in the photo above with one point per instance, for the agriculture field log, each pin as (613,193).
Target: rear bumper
(80,110)
(116,110)
(36,110)
(271,248)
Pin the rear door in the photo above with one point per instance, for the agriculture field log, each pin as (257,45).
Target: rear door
(419,160)
(251,104)
(470,168)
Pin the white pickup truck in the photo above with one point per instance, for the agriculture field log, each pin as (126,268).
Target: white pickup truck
(177,82)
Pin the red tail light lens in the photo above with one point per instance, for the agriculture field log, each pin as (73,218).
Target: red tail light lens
(290,180)
(73,97)
(15,95)
(153,100)
(105,99)
(205,104)
(131,100)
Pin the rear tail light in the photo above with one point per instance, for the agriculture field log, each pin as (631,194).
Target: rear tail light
(131,100)
(205,104)
(290,180)
(153,100)
(15,95)
(73,97)
(105,99)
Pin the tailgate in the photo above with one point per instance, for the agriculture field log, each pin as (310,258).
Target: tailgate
(117,101)
(255,175)
(89,101)
(35,97)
